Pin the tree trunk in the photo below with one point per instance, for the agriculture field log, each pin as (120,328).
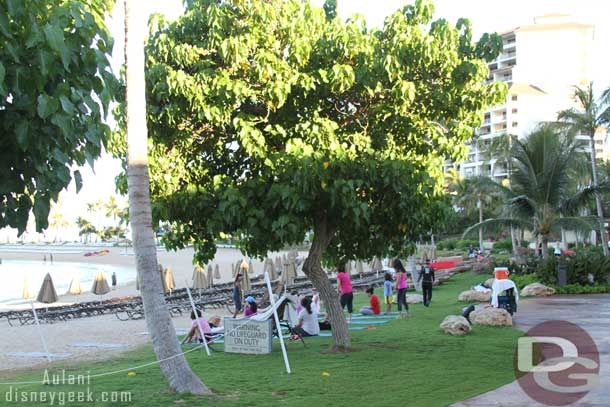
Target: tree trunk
(515,242)
(158,321)
(598,200)
(545,247)
(313,269)
(480,229)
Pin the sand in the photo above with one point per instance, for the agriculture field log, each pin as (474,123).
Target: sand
(106,329)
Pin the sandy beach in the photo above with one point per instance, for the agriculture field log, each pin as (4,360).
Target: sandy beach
(100,337)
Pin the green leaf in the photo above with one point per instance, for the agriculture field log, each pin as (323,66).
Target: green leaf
(66,105)
(47,105)
(21,131)
(78,181)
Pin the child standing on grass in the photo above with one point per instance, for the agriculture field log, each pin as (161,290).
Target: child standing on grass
(387,293)
(401,288)
(374,308)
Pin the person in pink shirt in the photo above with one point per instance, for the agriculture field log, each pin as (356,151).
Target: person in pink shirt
(345,290)
(194,335)
(401,288)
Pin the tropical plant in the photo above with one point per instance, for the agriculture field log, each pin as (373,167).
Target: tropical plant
(270,120)
(590,115)
(162,332)
(55,89)
(85,227)
(475,193)
(541,200)
(57,221)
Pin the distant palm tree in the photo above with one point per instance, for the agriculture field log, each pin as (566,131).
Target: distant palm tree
(590,116)
(113,211)
(57,222)
(85,227)
(542,198)
(475,193)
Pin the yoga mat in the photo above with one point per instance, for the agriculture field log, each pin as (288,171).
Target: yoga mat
(98,345)
(372,322)
(38,355)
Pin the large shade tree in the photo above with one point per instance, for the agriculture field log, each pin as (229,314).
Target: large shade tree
(273,118)
(158,321)
(55,89)
(543,198)
(589,116)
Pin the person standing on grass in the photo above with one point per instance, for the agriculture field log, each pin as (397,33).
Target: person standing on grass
(344,283)
(401,289)
(387,292)
(237,294)
(374,308)
(427,275)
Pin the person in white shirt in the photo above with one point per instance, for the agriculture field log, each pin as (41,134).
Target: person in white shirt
(307,324)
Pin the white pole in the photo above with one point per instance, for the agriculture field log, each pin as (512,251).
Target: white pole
(44,343)
(205,342)
(277,322)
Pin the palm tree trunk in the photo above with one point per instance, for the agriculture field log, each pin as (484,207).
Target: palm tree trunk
(514,241)
(598,201)
(480,229)
(545,247)
(158,321)
(313,269)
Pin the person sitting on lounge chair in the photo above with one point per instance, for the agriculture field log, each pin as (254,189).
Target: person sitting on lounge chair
(307,324)
(194,336)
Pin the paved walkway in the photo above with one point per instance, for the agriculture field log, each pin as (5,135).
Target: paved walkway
(592,313)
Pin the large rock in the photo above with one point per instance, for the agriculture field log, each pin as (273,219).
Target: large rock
(474,296)
(415,298)
(538,290)
(455,325)
(489,282)
(491,317)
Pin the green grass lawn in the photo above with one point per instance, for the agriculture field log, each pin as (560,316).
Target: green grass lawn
(403,362)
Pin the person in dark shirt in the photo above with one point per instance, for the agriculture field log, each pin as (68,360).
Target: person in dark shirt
(426,276)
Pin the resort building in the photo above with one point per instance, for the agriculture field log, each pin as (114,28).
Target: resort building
(541,63)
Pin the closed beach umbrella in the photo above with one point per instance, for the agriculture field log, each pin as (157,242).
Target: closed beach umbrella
(217,272)
(210,275)
(75,287)
(199,282)
(250,268)
(348,267)
(195,271)
(27,293)
(359,267)
(233,272)
(278,264)
(272,271)
(100,284)
(47,293)
(169,279)
(243,269)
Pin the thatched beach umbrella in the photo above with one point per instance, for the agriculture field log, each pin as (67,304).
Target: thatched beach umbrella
(245,282)
(100,284)
(168,276)
(210,276)
(75,286)
(199,281)
(216,272)
(27,293)
(47,293)
(359,267)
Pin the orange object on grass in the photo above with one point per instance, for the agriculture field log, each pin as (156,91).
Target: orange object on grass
(501,273)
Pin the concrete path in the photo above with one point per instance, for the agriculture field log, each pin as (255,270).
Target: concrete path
(592,313)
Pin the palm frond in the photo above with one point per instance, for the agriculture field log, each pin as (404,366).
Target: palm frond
(578,224)
(583,198)
(497,223)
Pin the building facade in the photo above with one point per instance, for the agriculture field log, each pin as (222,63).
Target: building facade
(541,63)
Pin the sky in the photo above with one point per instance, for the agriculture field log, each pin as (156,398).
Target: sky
(485,15)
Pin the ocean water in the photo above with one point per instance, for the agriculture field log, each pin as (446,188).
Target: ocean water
(13,274)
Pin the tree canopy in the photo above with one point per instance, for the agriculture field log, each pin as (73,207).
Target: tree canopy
(269,118)
(55,88)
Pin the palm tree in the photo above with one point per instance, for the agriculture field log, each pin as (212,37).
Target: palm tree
(163,334)
(113,211)
(475,193)
(542,198)
(85,227)
(586,119)
(57,222)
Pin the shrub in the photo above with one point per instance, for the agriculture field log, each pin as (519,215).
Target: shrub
(521,280)
(464,244)
(525,243)
(505,244)
(583,289)
(579,267)
(448,244)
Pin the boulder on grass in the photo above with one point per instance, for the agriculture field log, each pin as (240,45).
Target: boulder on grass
(415,299)
(455,325)
(537,290)
(489,282)
(474,296)
(491,317)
